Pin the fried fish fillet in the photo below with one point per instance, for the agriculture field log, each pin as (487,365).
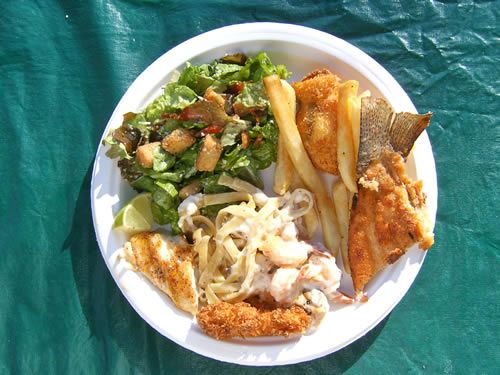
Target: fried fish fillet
(317,96)
(167,264)
(226,320)
(387,218)
(389,214)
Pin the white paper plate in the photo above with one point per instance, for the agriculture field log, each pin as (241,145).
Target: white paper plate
(302,50)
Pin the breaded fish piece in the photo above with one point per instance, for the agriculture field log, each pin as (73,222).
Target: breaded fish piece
(225,320)
(387,218)
(167,264)
(389,214)
(317,96)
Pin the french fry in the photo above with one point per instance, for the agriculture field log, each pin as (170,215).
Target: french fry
(303,165)
(283,172)
(345,145)
(341,199)
(290,96)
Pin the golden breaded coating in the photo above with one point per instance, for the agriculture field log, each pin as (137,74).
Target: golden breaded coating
(317,96)
(387,218)
(225,320)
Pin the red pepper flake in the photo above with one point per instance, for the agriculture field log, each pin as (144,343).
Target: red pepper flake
(212,129)
(174,116)
(236,87)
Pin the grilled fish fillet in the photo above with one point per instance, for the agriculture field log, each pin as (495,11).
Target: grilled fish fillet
(317,96)
(224,320)
(389,214)
(167,264)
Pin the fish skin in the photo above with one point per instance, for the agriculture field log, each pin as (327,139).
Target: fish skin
(382,129)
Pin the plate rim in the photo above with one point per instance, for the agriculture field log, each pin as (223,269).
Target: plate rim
(371,68)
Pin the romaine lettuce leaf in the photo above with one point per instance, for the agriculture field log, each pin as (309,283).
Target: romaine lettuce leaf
(211,185)
(264,154)
(186,163)
(250,174)
(175,97)
(226,72)
(253,96)
(116,149)
(144,183)
(165,200)
(268,130)
(231,132)
(197,78)
(162,160)
(233,159)
(261,66)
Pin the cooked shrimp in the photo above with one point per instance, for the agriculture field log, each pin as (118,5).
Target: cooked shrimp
(286,253)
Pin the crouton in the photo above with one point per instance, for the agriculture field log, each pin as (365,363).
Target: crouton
(178,141)
(212,96)
(145,154)
(209,154)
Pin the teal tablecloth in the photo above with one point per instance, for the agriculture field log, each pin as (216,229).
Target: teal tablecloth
(64,66)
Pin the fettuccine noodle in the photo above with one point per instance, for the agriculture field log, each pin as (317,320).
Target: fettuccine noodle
(226,249)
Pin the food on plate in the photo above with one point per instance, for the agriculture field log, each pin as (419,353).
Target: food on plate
(252,249)
(388,213)
(355,103)
(243,263)
(178,141)
(168,264)
(135,216)
(284,171)
(341,197)
(346,158)
(300,159)
(224,320)
(209,154)
(214,119)
(317,96)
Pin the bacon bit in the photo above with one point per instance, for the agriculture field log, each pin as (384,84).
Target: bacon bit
(212,129)
(174,116)
(245,140)
(258,141)
(236,88)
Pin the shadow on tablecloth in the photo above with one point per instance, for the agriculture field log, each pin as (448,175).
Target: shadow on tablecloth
(119,330)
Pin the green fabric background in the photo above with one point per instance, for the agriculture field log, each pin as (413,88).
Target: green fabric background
(64,65)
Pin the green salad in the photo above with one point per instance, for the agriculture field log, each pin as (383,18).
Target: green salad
(215,119)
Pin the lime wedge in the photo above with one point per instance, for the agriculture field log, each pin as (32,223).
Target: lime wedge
(136,215)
